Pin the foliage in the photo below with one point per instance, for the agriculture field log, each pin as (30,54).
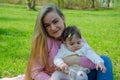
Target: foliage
(71,4)
(100,28)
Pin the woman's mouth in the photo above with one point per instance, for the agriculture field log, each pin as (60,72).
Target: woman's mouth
(55,31)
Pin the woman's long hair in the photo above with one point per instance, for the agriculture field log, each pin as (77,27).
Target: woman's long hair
(39,40)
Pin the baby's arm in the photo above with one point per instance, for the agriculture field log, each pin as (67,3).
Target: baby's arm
(64,67)
(61,64)
(96,59)
(90,54)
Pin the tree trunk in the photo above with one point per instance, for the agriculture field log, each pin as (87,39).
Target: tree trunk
(61,3)
(93,4)
(58,3)
(31,4)
(28,4)
(108,3)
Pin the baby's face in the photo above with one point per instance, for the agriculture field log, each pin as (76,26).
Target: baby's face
(74,44)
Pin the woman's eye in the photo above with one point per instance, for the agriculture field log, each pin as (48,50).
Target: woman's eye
(55,21)
(46,26)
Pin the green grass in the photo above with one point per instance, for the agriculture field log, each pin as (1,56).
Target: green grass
(100,28)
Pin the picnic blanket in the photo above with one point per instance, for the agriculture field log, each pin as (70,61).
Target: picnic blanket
(19,77)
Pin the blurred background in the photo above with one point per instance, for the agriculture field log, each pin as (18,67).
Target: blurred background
(69,4)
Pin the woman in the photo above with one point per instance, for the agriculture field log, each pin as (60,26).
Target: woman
(45,44)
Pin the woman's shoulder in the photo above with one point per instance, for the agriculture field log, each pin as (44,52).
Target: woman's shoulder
(53,42)
(50,40)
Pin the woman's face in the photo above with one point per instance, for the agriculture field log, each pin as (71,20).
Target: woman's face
(54,24)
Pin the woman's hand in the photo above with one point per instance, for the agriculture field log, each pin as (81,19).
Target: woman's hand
(64,67)
(101,66)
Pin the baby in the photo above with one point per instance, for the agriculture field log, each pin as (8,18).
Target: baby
(73,45)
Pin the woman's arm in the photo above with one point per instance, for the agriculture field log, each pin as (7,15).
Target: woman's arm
(38,72)
(70,60)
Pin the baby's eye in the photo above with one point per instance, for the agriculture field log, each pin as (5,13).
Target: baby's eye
(71,44)
(78,42)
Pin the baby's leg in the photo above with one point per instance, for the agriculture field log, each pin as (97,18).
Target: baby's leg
(58,75)
(81,76)
(77,73)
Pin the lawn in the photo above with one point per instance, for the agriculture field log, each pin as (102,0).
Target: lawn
(100,28)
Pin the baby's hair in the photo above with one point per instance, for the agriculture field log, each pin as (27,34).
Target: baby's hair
(70,31)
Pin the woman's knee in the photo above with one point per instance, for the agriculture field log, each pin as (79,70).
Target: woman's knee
(107,62)
(106,59)
(109,72)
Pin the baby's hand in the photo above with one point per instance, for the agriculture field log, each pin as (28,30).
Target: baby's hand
(64,66)
(101,66)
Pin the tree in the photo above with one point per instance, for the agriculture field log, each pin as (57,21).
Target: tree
(61,3)
(108,3)
(92,2)
(31,4)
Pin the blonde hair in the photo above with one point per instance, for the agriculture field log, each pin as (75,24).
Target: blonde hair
(39,40)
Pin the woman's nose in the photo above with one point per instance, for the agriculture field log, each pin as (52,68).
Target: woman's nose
(53,27)
(75,45)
